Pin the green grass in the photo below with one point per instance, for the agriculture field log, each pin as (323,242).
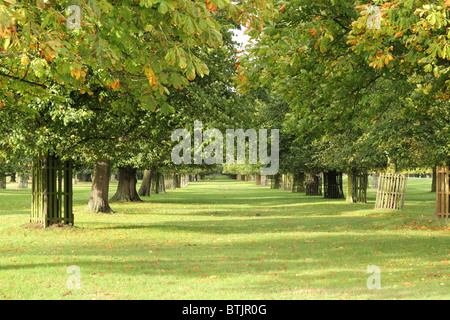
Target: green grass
(227,239)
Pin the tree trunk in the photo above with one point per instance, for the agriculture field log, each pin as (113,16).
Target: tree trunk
(433,180)
(23,181)
(98,202)
(126,190)
(156,181)
(157,185)
(275,182)
(375,179)
(350,193)
(144,190)
(392,166)
(177,181)
(85,177)
(2,181)
(13,177)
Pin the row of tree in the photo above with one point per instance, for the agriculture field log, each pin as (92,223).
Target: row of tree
(113,89)
(354,88)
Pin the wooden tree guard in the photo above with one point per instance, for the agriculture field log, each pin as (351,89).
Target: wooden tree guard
(287,183)
(275,181)
(359,187)
(391,191)
(52,194)
(299,182)
(332,185)
(169,181)
(313,184)
(258,179)
(443,192)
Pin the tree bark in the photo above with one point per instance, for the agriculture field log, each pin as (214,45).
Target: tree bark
(23,181)
(375,179)
(126,190)
(2,181)
(276,181)
(144,190)
(162,183)
(177,181)
(157,185)
(13,177)
(85,177)
(98,202)
(433,180)
(350,194)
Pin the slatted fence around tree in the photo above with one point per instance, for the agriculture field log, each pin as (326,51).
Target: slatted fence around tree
(184,180)
(169,181)
(52,194)
(391,191)
(287,182)
(275,181)
(443,192)
(357,187)
(332,185)
(313,183)
(360,184)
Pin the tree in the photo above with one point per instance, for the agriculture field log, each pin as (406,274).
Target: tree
(360,95)
(41,57)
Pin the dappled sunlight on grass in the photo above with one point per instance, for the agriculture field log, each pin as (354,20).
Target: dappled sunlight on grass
(226,239)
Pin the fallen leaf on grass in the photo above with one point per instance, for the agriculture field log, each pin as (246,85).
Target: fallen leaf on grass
(409,284)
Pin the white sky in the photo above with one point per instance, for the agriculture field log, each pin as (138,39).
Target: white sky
(241,38)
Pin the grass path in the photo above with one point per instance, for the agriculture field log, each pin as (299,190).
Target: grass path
(227,239)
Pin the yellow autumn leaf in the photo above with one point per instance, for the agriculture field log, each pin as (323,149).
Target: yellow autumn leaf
(151,76)
(115,84)
(25,60)
(76,73)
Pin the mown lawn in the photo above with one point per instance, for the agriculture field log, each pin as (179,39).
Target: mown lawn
(227,239)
